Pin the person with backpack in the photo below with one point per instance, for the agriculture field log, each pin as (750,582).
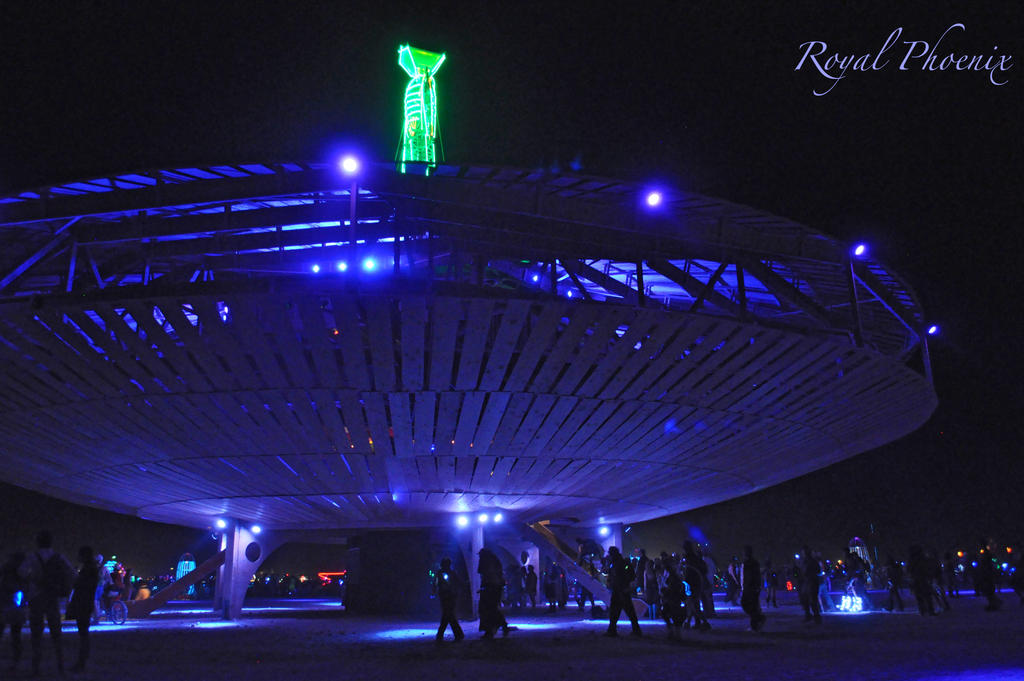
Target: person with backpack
(447,592)
(12,596)
(49,576)
(620,580)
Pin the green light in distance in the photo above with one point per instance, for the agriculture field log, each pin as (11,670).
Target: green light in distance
(419,129)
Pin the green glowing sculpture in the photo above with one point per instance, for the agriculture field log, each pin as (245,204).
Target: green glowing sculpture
(419,133)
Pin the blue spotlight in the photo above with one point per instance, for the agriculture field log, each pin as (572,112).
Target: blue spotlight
(369,264)
(498,517)
(569,294)
(256,529)
(462,521)
(342,265)
(653,199)
(933,329)
(604,530)
(482,518)
(349,164)
(315,268)
(221,523)
(860,250)
(536,278)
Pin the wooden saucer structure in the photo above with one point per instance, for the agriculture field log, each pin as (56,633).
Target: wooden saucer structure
(282,344)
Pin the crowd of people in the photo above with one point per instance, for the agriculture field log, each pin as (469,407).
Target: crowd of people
(42,586)
(678,588)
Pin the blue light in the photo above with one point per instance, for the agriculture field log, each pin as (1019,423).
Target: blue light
(851,604)
(797,556)
(221,523)
(369,264)
(860,250)
(349,164)
(462,521)
(315,268)
(482,518)
(569,293)
(19,596)
(256,529)
(653,199)
(933,329)
(499,517)
(536,278)
(342,266)
(604,530)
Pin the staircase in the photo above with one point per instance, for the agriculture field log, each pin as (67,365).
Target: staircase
(543,535)
(139,609)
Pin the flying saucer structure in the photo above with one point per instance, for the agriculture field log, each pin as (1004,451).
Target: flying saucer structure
(301,346)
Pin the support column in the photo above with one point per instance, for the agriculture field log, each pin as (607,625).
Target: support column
(244,552)
(476,543)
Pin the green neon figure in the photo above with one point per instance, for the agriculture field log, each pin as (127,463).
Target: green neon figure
(419,132)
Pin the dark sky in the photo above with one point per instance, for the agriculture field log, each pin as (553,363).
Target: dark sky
(925,165)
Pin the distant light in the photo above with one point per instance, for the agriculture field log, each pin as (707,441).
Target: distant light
(349,164)
(933,329)
(315,268)
(221,523)
(256,529)
(369,264)
(628,528)
(462,521)
(959,554)
(797,556)
(536,278)
(974,563)
(482,518)
(498,517)
(851,604)
(860,250)
(604,530)
(1006,566)
(342,266)
(653,199)
(568,293)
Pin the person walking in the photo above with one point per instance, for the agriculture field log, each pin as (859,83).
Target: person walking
(82,603)
(750,598)
(12,593)
(894,577)
(492,582)
(447,593)
(49,576)
(620,580)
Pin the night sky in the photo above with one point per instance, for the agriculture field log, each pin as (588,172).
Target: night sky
(924,165)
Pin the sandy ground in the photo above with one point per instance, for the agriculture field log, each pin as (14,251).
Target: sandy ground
(281,640)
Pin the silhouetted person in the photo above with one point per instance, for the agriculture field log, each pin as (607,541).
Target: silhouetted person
(920,581)
(81,606)
(985,579)
(447,593)
(673,602)
(492,581)
(750,598)
(810,578)
(12,591)
(49,577)
(619,583)
(894,577)
(771,584)
(949,575)
(531,585)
